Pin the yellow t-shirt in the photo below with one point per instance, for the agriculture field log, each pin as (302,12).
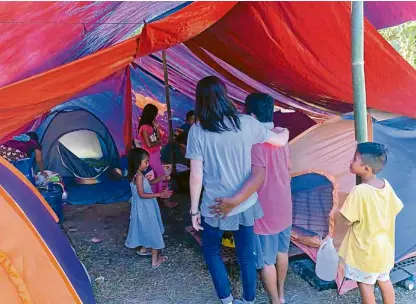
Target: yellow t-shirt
(369,243)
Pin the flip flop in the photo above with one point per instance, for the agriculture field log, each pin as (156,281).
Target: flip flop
(170,204)
(161,260)
(144,253)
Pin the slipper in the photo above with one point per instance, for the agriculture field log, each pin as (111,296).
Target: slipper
(144,253)
(170,204)
(282,301)
(161,260)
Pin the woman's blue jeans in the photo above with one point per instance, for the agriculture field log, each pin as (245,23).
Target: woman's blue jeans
(244,243)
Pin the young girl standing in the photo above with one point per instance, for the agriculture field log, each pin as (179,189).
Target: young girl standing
(146,227)
(150,140)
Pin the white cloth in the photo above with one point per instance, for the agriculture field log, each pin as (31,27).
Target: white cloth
(365,277)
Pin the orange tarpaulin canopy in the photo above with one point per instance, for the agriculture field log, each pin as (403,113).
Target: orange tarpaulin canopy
(23,101)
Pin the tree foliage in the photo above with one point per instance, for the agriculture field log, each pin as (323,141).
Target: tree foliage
(403,39)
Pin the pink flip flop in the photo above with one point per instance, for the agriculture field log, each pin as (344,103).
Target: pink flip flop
(161,260)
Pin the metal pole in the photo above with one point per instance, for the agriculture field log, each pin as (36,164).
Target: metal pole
(358,78)
(167,94)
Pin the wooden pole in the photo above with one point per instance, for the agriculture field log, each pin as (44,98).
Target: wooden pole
(358,78)
(167,94)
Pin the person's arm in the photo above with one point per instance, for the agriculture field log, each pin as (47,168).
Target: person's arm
(251,184)
(39,160)
(158,179)
(195,187)
(226,205)
(279,138)
(142,194)
(146,138)
(351,209)
(156,128)
(259,134)
(195,155)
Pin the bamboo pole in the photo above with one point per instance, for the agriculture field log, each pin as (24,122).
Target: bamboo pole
(358,78)
(167,95)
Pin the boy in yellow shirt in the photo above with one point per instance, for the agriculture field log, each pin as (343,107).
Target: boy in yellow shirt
(371,209)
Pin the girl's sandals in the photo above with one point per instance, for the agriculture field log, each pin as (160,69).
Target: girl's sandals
(167,203)
(145,252)
(160,261)
(170,204)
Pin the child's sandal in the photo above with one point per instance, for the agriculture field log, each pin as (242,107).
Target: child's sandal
(144,252)
(160,261)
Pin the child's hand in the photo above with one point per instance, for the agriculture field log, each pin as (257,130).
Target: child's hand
(166,193)
(223,207)
(166,178)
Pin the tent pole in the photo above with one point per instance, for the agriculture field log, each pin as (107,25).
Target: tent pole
(128,112)
(167,94)
(358,78)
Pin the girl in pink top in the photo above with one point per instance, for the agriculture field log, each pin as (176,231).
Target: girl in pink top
(150,140)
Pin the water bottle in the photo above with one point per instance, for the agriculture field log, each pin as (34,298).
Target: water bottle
(327,261)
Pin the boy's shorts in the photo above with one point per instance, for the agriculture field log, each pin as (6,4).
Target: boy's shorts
(365,277)
(266,247)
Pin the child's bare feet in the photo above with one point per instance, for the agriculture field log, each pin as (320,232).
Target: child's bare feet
(162,259)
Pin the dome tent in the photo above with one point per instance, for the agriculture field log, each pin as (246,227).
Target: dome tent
(63,131)
(25,215)
(321,182)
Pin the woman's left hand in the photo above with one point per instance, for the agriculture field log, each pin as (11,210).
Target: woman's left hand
(166,178)
(224,206)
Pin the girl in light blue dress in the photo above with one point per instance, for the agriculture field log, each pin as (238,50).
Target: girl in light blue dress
(146,227)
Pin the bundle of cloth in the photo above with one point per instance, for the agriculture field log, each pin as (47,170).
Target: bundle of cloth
(20,147)
(20,150)
(47,178)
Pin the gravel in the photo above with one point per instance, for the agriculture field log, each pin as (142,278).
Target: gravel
(120,276)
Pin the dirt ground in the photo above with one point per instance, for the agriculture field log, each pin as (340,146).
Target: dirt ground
(120,276)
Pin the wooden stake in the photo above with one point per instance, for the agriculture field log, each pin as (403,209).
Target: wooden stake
(167,95)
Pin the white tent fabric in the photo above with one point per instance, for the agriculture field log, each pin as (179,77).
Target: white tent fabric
(83,143)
